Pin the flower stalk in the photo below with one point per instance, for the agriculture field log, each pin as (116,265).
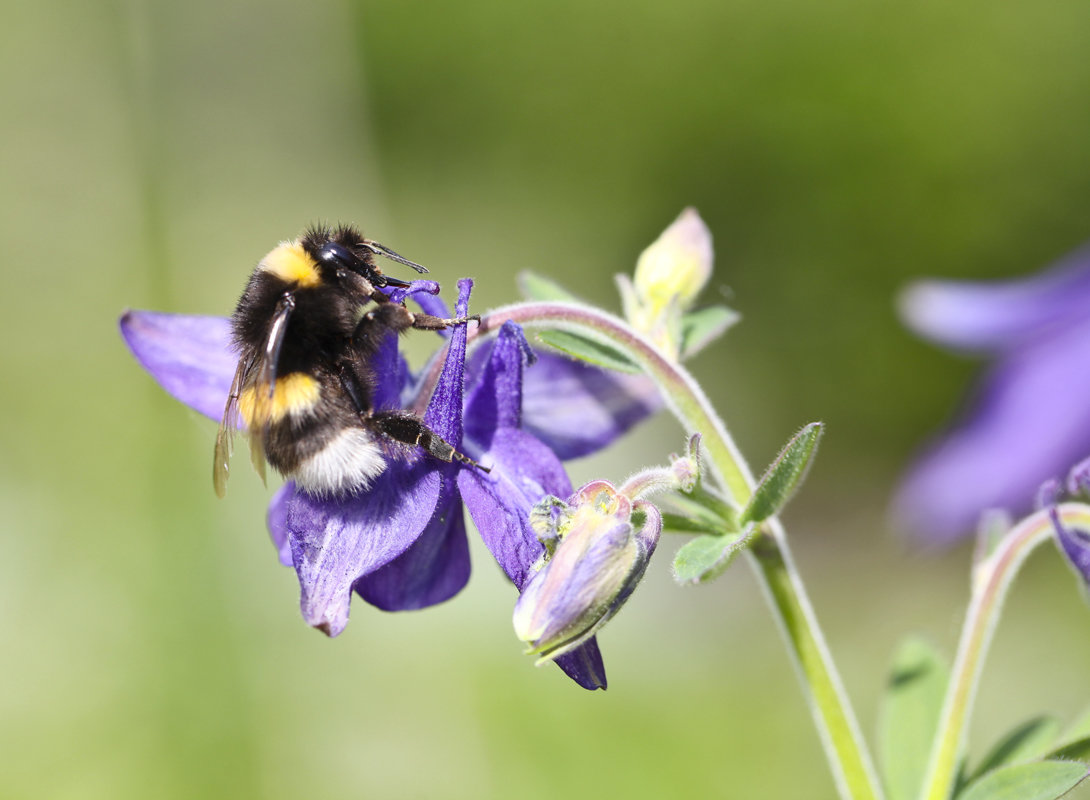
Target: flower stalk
(991,581)
(845,748)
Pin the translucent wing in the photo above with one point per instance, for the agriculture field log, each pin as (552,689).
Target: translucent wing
(257,376)
(221,458)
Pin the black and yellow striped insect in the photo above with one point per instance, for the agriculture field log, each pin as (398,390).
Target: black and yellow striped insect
(306,329)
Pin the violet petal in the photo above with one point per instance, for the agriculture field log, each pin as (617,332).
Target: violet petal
(1000,314)
(190,356)
(495,402)
(434,569)
(523,472)
(1030,422)
(577,409)
(584,665)
(415,290)
(334,542)
(276,519)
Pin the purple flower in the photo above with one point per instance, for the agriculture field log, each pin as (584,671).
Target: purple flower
(401,544)
(1029,419)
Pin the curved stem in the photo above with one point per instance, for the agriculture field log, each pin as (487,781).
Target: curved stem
(991,580)
(844,746)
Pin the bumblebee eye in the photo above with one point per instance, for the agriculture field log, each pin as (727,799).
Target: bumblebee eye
(343,258)
(333,253)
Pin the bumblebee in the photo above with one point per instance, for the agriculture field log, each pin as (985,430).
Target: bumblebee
(306,329)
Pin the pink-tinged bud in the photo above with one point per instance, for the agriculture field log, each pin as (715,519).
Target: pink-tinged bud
(669,275)
(600,547)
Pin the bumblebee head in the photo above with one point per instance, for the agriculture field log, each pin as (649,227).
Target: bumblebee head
(345,249)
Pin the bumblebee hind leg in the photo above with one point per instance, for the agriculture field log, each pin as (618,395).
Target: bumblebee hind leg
(410,430)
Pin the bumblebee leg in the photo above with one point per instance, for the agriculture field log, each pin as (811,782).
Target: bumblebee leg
(395,317)
(426,322)
(410,430)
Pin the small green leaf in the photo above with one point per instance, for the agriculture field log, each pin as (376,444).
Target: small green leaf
(784,476)
(910,716)
(707,557)
(1073,750)
(583,349)
(702,327)
(1028,741)
(541,289)
(1041,780)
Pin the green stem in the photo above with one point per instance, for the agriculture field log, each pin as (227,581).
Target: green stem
(991,580)
(844,746)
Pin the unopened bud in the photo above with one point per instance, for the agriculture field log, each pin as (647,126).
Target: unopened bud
(603,543)
(677,265)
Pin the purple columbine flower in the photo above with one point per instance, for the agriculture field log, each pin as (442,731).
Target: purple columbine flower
(401,544)
(1029,419)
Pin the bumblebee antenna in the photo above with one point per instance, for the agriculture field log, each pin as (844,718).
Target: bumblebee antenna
(382,250)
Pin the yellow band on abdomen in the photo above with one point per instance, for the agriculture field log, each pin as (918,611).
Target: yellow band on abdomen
(295,395)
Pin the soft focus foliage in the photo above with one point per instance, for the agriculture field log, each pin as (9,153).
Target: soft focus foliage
(152,152)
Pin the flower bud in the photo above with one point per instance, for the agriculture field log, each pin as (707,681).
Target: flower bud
(676,265)
(601,543)
(669,275)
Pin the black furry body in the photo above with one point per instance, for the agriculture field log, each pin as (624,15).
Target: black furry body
(313,315)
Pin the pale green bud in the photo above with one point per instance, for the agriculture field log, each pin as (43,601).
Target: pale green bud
(677,265)
(669,275)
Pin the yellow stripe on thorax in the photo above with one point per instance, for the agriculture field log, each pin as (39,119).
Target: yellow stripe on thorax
(295,395)
(290,262)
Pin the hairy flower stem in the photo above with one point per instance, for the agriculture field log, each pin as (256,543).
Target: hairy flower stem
(991,580)
(844,746)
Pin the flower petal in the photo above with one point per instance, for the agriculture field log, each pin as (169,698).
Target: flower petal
(584,665)
(1002,314)
(334,542)
(190,356)
(495,400)
(444,413)
(523,472)
(432,570)
(276,520)
(577,409)
(1030,422)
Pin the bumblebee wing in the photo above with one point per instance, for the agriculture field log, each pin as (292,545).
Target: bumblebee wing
(264,383)
(221,458)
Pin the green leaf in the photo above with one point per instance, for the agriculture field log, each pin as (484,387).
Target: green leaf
(702,327)
(1028,741)
(1041,780)
(590,350)
(910,716)
(706,557)
(784,476)
(1073,750)
(541,289)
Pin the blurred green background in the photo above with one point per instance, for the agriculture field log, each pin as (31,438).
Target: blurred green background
(152,152)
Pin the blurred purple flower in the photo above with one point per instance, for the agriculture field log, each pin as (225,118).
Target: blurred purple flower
(401,544)
(1029,419)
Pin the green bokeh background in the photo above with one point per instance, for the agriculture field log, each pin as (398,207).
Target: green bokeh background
(152,152)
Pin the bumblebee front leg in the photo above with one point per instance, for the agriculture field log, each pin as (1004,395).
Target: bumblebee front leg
(395,316)
(410,430)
